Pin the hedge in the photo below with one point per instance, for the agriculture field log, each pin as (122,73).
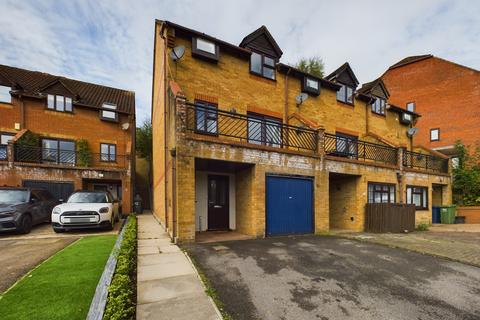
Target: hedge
(121,298)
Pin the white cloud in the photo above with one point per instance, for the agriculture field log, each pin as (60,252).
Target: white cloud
(111,42)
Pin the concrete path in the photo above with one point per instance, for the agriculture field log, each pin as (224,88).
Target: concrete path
(168,286)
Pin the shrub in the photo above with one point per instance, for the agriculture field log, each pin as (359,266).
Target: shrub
(84,157)
(29,139)
(422,227)
(122,291)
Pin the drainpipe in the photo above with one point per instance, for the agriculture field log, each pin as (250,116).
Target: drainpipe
(22,112)
(286,95)
(174,196)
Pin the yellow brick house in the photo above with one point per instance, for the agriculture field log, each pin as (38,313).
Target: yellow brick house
(244,142)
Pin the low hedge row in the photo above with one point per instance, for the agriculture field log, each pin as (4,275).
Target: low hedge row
(122,290)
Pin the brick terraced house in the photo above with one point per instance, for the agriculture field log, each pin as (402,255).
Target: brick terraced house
(244,142)
(445,93)
(62,134)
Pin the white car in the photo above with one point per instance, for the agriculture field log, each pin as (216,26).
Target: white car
(85,210)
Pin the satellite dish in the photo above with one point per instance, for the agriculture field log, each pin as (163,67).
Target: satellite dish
(411,132)
(301,97)
(177,53)
(125,126)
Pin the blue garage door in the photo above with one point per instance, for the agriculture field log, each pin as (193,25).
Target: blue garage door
(289,205)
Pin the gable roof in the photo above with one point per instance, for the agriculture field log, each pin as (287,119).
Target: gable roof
(409,60)
(369,87)
(264,36)
(340,70)
(36,84)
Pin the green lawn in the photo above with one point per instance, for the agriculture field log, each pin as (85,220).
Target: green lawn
(62,287)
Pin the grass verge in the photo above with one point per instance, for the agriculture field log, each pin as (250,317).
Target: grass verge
(209,289)
(63,286)
(121,300)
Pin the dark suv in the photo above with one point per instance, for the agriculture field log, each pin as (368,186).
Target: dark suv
(22,208)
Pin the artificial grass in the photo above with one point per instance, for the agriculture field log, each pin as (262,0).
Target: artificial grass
(63,286)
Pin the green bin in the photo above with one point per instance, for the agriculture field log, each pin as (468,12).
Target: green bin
(447,214)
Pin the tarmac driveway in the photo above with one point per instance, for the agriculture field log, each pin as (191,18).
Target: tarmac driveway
(312,277)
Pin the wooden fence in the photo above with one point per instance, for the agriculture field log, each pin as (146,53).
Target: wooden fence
(389,217)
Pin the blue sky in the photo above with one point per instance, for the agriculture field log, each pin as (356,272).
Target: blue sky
(110,42)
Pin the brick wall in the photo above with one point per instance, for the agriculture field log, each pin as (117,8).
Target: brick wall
(445,94)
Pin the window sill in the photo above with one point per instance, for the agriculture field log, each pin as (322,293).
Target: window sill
(53,110)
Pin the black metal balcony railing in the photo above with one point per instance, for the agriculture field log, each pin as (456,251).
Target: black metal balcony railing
(341,146)
(424,161)
(250,129)
(3,152)
(31,154)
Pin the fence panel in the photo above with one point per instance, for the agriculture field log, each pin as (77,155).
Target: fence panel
(389,217)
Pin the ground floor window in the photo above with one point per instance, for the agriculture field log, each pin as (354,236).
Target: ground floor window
(381,193)
(58,151)
(418,196)
(4,138)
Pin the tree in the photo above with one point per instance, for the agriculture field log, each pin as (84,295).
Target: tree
(466,176)
(143,144)
(313,65)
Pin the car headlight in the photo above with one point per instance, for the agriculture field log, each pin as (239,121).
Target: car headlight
(103,210)
(56,210)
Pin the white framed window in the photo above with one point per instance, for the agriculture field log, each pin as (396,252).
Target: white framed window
(5,95)
(109,114)
(378,106)
(345,94)
(434,134)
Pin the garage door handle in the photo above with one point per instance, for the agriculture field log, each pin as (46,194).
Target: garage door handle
(217,206)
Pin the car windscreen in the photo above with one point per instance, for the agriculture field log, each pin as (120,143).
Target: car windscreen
(13,196)
(88,197)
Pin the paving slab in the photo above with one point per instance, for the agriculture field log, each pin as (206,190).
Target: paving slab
(193,307)
(168,288)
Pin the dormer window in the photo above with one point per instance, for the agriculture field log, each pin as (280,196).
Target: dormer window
(108,113)
(345,94)
(262,65)
(5,94)
(311,85)
(406,118)
(378,106)
(59,103)
(411,106)
(206,49)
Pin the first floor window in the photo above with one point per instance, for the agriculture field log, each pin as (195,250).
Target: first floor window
(5,94)
(347,145)
(108,152)
(4,138)
(418,196)
(264,130)
(434,134)
(206,117)
(381,193)
(378,106)
(58,151)
(345,94)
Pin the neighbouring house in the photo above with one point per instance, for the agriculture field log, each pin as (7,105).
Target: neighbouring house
(244,142)
(62,134)
(446,94)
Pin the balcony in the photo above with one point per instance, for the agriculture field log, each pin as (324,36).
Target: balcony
(340,146)
(250,129)
(426,162)
(67,158)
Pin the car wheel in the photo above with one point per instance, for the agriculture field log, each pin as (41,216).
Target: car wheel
(26,224)
(58,230)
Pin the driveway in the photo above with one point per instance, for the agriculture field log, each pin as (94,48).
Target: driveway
(22,252)
(312,277)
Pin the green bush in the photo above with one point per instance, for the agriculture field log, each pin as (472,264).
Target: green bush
(84,157)
(422,227)
(29,139)
(122,291)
